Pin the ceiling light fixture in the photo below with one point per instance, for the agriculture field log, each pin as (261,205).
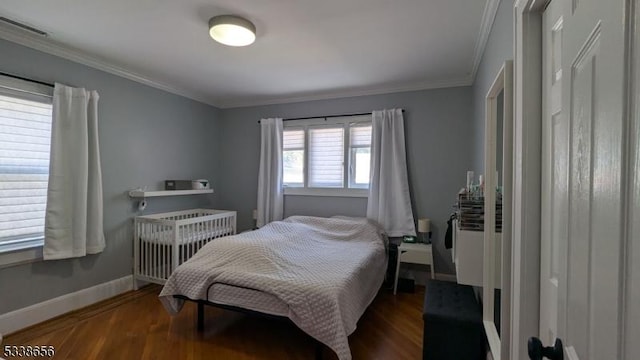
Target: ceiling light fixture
(232,30)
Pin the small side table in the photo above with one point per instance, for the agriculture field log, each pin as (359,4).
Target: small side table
(413,253)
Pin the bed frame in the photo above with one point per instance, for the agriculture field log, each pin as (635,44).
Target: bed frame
(200,318)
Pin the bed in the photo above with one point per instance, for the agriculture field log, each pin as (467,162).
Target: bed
(321,273)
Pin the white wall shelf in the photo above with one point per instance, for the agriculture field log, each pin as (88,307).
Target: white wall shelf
(156,193)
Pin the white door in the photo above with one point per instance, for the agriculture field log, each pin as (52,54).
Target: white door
(582,179)
(555,167)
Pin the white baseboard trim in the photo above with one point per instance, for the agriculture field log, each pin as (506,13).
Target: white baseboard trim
(446,277)
(31,315)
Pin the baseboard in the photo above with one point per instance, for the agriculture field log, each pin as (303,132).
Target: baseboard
(34,314)
(446,277)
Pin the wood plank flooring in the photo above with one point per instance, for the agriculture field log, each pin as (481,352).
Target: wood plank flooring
(136,326)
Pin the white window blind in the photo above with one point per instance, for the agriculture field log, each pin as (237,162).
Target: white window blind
(25,138)
(360,135)
(326,157)
(293,157)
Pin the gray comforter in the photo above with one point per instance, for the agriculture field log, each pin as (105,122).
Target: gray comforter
(327,270)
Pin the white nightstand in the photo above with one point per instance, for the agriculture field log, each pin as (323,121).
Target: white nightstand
(413,253)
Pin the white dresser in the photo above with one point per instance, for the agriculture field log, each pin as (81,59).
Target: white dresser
(467,255)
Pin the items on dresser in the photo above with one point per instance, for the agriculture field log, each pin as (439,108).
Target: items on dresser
(470,211)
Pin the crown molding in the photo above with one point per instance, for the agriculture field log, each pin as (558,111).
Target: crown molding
(488,18)
(467,81)
(53,47)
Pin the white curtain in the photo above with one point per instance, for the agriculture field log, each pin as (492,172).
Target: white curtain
(270,192)
(73,222)
(389,199)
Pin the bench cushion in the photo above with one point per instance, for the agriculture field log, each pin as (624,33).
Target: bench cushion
(452,322)
(444,299)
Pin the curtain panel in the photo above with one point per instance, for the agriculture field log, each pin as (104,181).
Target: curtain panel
(389,198)
(270,191)
(73,220)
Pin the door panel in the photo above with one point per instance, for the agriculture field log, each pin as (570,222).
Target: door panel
(555,145)
(594,35)
(582,213)
(579,280)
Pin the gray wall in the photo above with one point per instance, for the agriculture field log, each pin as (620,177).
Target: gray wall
(499,48)
(146,135)
(439,139)
(324,206)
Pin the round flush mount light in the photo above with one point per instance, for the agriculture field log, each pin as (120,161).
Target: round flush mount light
(232,30)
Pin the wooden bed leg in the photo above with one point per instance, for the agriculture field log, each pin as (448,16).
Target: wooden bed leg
(200,316)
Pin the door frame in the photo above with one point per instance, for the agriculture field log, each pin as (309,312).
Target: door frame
(527,164)
(503,83)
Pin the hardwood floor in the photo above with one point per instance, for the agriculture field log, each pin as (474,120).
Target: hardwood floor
(136,326)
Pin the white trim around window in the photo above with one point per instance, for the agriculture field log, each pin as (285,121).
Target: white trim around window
(337,192)
(26,251)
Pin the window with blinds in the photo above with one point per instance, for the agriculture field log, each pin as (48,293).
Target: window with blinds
(360,156)
(25,138)
(327,154)
(293,157)
(326,157)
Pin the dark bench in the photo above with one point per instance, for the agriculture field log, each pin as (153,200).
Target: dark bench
(452,323)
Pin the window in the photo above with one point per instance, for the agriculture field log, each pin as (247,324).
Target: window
(293,157)
(327,156)
(360,156)
(25,138)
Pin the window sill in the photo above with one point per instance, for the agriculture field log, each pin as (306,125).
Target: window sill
(361,193)
(25,254)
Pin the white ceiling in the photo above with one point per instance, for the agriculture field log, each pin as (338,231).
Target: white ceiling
(305,49)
